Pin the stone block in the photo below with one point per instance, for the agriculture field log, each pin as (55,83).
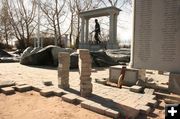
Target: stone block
(71,98)
(38,88)
(47,92)
(86,104)
(63,73)
(87,86)
(63,85)
(149,91)
(112,113)
(152,103)
(23,88)
(81,99)
(174,83)
(86,93)
(85,79)
(83,51)
(97,108)
(84,65)
(6,83)
(47,83)
(58,92)
(8,90)
(136,89)
(131,75)
(143,109)
(85,83)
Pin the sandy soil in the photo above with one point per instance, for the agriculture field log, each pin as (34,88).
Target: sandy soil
(31,105)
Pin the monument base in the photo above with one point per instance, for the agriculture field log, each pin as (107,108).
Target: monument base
(174,83)
(131,75)
(112,46)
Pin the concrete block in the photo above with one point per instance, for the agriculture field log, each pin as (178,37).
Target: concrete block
(47,83)
(149,91)
(97,108)
(8,90)
(143,109)
(174,83)
(112,113)
(131,75)
(58,92)
(23,88)
(152,103)
(86,104)
(81,99)
(66,86)
(71,98)
(63,73)
(136,89)
(38,88)
(46,92)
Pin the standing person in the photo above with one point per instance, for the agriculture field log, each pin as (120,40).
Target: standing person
(97,32)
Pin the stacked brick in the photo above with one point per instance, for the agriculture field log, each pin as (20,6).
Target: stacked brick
(85,72)
(63,70)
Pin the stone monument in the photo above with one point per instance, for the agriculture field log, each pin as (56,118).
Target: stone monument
(85,72)
(63,70)
(156,38)
(108,11)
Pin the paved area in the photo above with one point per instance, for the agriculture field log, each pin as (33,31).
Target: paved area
(106,100)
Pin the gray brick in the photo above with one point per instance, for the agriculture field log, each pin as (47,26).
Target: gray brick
(23,88)
(38,88)
(8,90)
(136,89)
(58,92)
(71,98)
(97,108)
(46,92)
(143,109)
(86,104)
(47,83)
(111,113)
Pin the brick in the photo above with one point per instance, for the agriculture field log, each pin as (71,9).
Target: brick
(46,92)
(143,109)
(71,98)
(47,83)
(152,103)
(8,90)
(86,104)
(23,88)
(97,108)
(86,94)
(111,113)
(81,99)
(38,88)
(63,73)
(58,92)
(136,89)
(64,86)
(149,91)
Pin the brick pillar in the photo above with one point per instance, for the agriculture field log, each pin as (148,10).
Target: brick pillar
(63,70)
(85,72)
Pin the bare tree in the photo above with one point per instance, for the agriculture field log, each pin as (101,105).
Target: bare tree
(54,11)
(5,27)
(77,6)
(21,19)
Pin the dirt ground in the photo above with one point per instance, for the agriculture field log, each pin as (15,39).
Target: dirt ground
(31,105)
